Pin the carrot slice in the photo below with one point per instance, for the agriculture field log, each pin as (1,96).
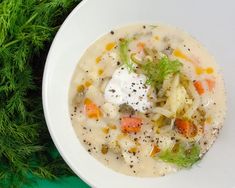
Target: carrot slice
(199,87)
(92,110)
(210,84)
(131,124)
(186,128)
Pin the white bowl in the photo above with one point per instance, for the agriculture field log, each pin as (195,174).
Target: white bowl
(211,22)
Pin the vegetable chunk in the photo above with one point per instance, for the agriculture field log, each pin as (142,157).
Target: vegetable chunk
(186,128)
(92,110)
(157,72)
(199,87)
(181,155)
(131,124)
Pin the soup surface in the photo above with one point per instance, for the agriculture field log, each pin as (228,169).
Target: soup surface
(147,100)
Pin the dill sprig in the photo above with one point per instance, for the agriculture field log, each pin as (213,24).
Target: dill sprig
(124,55)
(26,29)
(157,72)
(182,157)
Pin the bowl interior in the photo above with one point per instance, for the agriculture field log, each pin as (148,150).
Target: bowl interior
(92,19)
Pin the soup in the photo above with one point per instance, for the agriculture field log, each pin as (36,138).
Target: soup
(147,100)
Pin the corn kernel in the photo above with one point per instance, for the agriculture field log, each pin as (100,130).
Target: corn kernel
(88,83)
(133,150)
(209,120)
(80,88)
(157,38)
(100,72)
(87,101)
(199,70)
(98,59)
(209,70)
(110,46)
(105,130)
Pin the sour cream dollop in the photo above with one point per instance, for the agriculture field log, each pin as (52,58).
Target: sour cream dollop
(128,87)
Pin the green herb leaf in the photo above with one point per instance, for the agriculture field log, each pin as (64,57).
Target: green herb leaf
(27,28)
(157,72)
(123,53)
(183,157)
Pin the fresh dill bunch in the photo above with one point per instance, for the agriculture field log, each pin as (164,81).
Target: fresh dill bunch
(26,29)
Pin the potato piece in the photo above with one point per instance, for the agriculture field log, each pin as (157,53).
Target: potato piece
(165,142)
(110,64)
(130,158)
(126,143)
(95,95)
(111,110)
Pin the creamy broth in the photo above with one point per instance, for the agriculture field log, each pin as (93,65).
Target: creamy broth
(97,114)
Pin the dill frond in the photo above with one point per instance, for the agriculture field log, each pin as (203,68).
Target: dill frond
(157,72)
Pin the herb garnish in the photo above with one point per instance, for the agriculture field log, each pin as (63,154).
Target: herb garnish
(157,72)
(124,56)
(181,156)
